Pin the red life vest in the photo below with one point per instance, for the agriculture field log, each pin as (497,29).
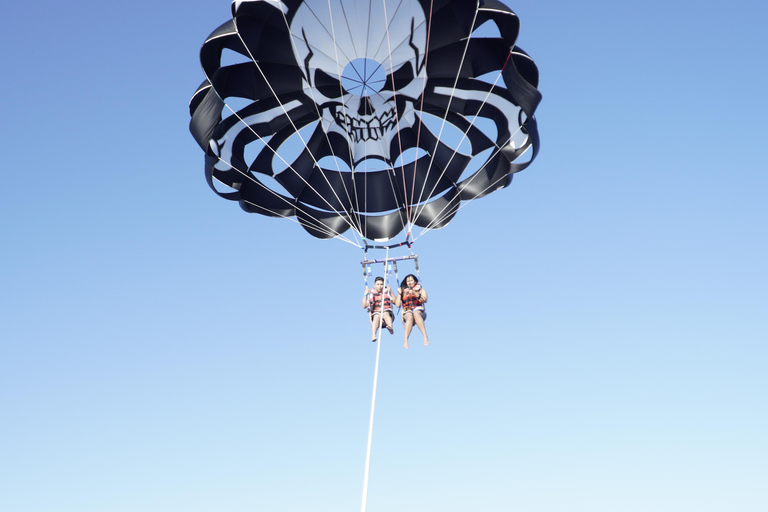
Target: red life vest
(374,301)
(412,298)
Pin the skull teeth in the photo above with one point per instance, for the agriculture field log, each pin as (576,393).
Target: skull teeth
(361,130)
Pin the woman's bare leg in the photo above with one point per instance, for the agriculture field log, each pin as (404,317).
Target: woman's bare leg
(420,324)
(408,326)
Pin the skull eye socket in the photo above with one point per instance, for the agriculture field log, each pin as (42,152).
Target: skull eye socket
(327,85)
(400,78)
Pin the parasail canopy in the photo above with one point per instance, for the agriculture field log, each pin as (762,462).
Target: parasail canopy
(370,116)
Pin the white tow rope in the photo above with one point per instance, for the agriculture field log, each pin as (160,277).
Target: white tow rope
(375,383)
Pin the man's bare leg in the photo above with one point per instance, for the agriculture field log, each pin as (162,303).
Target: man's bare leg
(374,325)
(388,322)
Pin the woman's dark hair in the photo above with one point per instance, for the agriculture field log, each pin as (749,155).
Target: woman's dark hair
(404,286)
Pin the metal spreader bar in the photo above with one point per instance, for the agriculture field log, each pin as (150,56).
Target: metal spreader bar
(387,260)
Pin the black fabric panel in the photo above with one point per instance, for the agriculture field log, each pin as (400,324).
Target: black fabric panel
(475,107)
(248,81)
(258,198)
(197,98)
(321,224)
(210,161)
(506,20)
(527,96)
(223,37)
(415,180)
(451,21)
(438,213)
(205,117)
(486,180)
(444,157)
(257,34)
(483,56)
(383,227)
(266,11)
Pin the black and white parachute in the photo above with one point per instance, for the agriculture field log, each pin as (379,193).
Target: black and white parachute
(374,115)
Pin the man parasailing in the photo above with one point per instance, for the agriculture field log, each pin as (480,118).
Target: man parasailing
(375,300)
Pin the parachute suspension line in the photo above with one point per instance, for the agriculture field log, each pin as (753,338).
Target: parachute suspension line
(366,267)
(356,213)
(356,53)
(458,207)
(373,396)
(318,225)
(389,174)
(498,149)
(442,124)
(274,151)
(406,207)
(408,221)
(397,279)
(418,131)
(350,143)
(353,214)
(282,106)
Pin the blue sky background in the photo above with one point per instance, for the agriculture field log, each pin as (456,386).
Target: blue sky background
(598,329)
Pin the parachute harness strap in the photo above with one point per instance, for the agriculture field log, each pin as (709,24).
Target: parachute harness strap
(397,278)
(375,383)
(366,268)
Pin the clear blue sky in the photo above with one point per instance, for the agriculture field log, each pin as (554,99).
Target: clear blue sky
(599,329)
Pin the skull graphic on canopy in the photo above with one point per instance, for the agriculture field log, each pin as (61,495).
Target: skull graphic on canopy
(375,115)
(363,76)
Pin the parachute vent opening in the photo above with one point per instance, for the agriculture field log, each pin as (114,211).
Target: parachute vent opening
(485,125)
(434,198)
(409,156)
(525,157)
(253,149)
(519,139)
(214,147)
(333,163)
(494,78)
(385,213)
(371,165)
(448,133)
(477,162)
(234,105)
(273,185)
(291,148)
(486,30)
(223,188)
(231,58)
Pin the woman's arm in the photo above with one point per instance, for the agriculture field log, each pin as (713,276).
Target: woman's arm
(423,295)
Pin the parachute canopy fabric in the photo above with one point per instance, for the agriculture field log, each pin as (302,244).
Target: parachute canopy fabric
(374,115)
